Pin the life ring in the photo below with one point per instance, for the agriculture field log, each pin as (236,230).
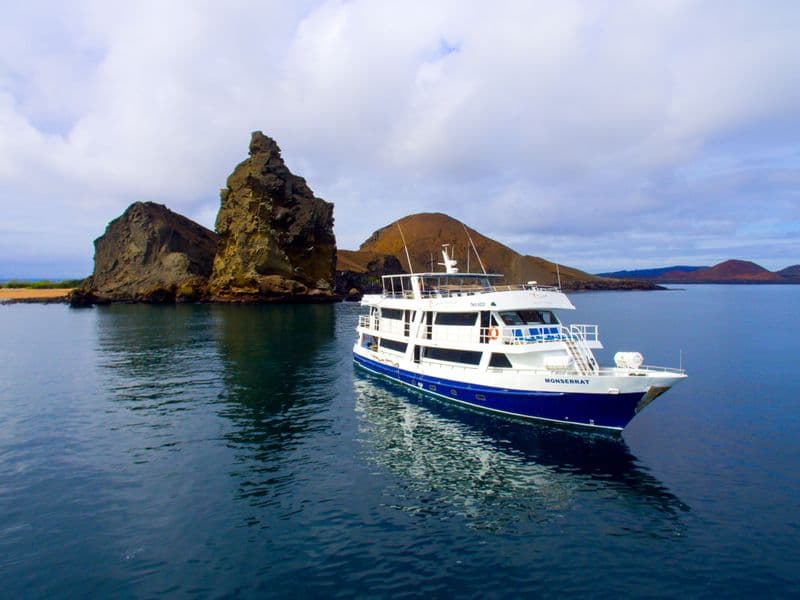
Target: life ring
(494,333)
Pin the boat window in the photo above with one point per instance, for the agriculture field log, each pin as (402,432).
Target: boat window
(484,326)
(511,318)
(393,345)
(467,357)
(499,361)
(528,317)
(538,317)
(456,318)
(392,313)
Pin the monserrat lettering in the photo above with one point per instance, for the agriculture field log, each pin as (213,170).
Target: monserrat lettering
(568,381)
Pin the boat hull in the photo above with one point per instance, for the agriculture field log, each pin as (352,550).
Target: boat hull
(594,410)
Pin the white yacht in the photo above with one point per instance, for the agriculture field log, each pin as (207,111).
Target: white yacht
(501,348)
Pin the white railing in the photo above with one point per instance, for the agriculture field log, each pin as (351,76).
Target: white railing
(529,287)
(577,347)
(514,335)
(450,334)
(455,290)
(643,370)
(537,334)
(407,294)
(585,332)
(448,291)
(368,322)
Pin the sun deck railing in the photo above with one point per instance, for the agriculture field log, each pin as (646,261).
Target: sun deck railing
(535,334)
(403,290)
(508,335)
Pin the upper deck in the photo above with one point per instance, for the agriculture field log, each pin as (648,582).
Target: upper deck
(454,291)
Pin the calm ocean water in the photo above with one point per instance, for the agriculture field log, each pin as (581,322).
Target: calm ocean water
(209,451)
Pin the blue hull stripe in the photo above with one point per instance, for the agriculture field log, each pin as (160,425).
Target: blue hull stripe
(609,411)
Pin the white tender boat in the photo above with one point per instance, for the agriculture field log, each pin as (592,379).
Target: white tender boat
(501,348)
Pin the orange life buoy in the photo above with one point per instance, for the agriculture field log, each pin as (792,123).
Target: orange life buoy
(494,333)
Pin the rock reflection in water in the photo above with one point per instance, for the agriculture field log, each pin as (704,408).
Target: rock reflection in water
(265,369)
(497,472)
(156,355)
(278,365)
(271,354)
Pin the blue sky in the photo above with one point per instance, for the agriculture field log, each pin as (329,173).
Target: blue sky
(602,135)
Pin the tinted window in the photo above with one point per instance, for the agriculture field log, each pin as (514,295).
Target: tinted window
(392,345)
(466,357)
(456,318)
(529,317)
(511,318)
(391,313)
(500,361)
(532,316)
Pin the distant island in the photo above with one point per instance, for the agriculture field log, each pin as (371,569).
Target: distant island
(729,271)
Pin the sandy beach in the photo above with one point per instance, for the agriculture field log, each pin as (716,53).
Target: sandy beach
(31,295)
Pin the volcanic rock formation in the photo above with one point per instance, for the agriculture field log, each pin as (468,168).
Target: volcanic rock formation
(149,254)
(276,237)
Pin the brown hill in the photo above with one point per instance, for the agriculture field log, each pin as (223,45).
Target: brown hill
(355,260)
(426,232)
(729,271)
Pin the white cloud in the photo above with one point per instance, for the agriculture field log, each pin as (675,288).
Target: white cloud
(572,130)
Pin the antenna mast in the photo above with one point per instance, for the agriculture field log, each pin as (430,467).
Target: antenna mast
(469,237)
(558,275)
(408,257)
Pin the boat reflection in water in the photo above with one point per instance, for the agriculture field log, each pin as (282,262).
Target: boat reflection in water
(497,472)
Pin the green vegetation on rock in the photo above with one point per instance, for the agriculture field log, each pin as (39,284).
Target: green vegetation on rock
(42,284)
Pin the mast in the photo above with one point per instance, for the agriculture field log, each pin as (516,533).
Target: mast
(408,257)
(469,237)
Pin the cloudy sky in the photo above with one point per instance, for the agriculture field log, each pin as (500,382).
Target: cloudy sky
(601,135)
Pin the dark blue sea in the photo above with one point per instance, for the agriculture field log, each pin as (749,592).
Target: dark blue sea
(234,451)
